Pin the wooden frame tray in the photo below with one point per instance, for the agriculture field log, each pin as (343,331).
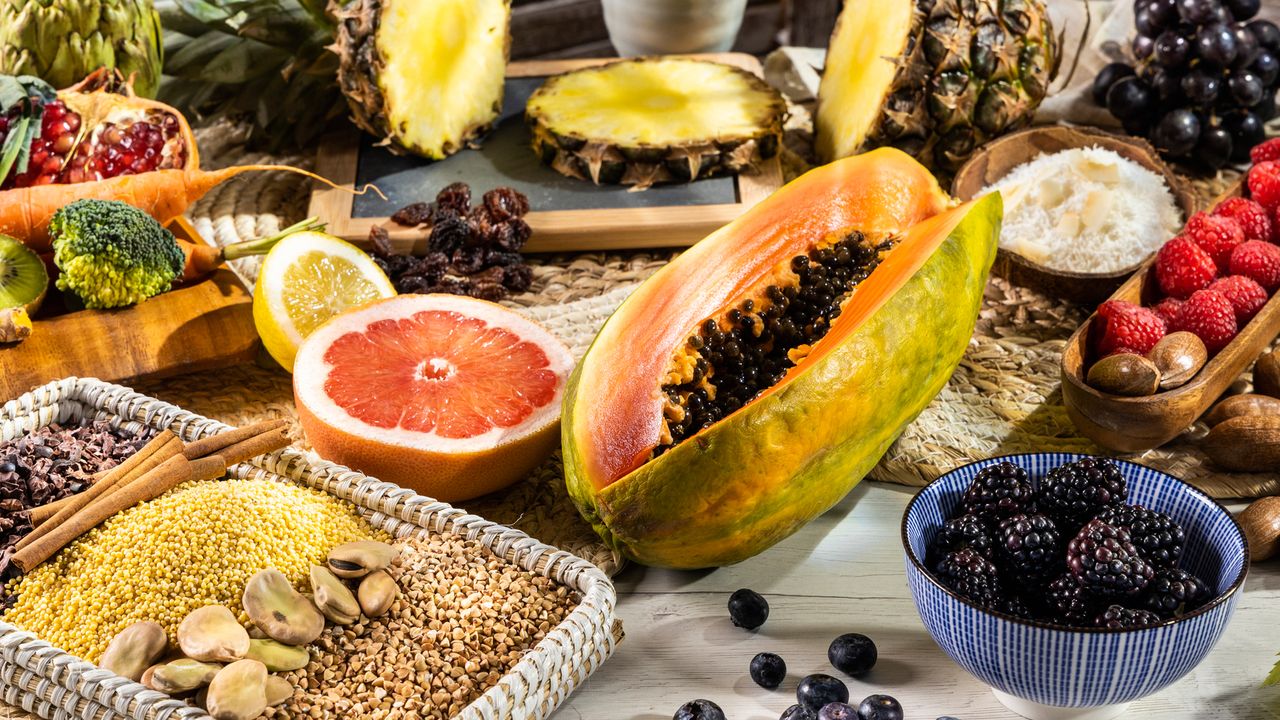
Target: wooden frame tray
(202,326)
(553,230)
(1138,424)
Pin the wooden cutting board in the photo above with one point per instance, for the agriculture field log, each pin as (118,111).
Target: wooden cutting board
(202,326)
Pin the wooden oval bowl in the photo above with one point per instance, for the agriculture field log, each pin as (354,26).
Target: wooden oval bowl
(1000,156)
(1138,424)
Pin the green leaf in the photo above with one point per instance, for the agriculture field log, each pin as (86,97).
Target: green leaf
(1274,677)
(15,91)
(16,148)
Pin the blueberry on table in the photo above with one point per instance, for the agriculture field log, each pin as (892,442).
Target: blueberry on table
(768,670)
(838,711)
(880,707)
(852,653)
(699,710)
(819,689)
(748,609)
(798,712)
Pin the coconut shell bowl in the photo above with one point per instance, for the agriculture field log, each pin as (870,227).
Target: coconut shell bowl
(999,157)
(1049,672)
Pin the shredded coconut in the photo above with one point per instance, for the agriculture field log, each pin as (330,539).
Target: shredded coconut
(1086,210)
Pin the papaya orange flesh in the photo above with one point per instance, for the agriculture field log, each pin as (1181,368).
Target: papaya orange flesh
(750,479)
(882,192)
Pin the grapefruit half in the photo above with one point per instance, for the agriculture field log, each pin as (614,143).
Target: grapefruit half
(450,396)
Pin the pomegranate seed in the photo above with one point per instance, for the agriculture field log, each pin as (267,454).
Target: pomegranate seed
(73,122)
(63,144)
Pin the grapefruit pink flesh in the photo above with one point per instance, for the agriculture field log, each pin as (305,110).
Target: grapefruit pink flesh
(450,396)
(439,371)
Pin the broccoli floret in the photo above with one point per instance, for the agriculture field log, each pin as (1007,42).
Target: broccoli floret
(112,254)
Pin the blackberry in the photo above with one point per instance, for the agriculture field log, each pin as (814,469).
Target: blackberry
(1014,605)
(1075,492)
(965,531)
(1104,561)
(1157,536)
(970,575)
(998,491)
(1117,617)
(1067,603)
(1030,547)
(1173,592)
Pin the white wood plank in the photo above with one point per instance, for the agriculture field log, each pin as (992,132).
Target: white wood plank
(844,573)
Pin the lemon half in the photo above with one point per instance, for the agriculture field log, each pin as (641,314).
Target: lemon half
(306,279)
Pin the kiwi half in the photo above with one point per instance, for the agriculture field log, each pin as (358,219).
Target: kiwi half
(23,277)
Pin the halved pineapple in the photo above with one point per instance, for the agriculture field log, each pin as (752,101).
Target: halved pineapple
(652,120)
(935,78)
(426,76)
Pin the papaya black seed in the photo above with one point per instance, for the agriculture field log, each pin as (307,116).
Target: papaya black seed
(747,350)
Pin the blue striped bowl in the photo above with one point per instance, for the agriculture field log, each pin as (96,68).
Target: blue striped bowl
(1040,670)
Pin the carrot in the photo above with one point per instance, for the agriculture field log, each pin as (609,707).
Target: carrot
(203,259)
(163,194)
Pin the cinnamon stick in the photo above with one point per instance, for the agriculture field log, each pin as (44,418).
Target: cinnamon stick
(161,448)
(156,482)
(254,446)
(38,515)
(216,443)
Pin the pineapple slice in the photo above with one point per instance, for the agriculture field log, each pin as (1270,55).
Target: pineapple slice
(426,76)
(650,120)
(935,78)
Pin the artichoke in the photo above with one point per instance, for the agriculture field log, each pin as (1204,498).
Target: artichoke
(61,41)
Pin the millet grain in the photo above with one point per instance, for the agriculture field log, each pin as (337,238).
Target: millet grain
(463,619)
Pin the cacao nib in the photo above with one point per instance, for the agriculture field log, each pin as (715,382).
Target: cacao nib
(49,464)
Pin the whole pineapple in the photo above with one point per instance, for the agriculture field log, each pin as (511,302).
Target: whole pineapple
(62,41)
(936,78)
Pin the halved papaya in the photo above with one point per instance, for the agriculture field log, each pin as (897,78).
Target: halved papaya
(750,384)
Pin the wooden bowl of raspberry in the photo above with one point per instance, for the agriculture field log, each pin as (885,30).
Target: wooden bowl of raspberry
(1216,280)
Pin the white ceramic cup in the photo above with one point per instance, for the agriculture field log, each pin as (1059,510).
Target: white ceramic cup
(659,27)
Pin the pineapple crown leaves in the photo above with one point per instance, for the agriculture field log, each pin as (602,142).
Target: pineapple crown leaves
(262,59)
(22,100)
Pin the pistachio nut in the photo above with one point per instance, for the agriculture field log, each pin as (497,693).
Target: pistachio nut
(182,676)
(278,690)
(333,597)
(280,611)
(277,656)
(376,593)
(238,691)
(212,634)
(134,649)
(356,559)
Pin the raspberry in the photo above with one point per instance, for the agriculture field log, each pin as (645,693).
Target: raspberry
(1182,268)
(1030,547)
(1216,235)
(1168,310)
(1157,536)
(1253,218)
(1128,327)
(970,575)
(1264,184)
(1263,152)
(1174,592)
(1103,560)
(1209,315)
(1245,294)
(1259,261)
(1118,617)
(965,531)
(998,491)
(1067,603)
(1075,492)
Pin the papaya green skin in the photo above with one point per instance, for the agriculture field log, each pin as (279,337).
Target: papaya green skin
(757,476)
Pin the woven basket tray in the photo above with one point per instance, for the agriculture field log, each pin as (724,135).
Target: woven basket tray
(53,684)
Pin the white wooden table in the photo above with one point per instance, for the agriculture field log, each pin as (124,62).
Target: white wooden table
(844,573)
